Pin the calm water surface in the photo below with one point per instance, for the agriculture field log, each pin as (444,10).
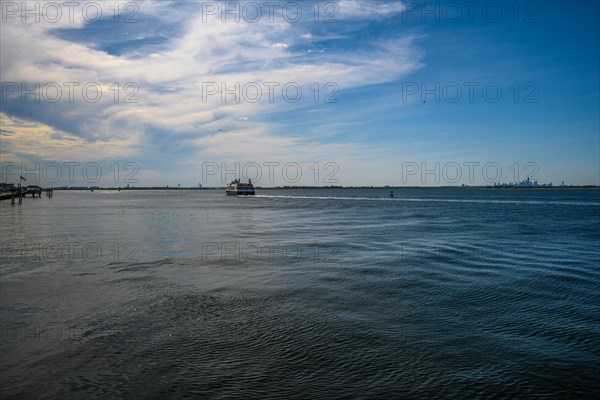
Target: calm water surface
(435,293)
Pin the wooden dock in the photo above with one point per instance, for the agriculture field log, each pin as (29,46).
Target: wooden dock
(15,194)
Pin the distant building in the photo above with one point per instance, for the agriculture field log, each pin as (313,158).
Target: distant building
(527,182)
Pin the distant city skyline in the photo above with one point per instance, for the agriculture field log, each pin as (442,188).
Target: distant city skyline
(344,93)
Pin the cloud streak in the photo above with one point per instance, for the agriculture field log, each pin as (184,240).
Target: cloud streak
(172,105)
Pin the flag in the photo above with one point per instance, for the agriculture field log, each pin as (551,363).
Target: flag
(23,178)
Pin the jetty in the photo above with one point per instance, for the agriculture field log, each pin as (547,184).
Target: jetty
(17,193)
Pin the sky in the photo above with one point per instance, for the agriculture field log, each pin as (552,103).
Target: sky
(354,93)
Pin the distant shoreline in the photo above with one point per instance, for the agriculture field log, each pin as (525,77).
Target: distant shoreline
(338,187)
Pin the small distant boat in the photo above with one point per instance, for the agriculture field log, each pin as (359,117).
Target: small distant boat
(392,193)
(237,188)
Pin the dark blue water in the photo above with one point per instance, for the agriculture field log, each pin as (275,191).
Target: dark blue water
(435,293)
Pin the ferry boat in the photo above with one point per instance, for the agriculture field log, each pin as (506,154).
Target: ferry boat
(237,188)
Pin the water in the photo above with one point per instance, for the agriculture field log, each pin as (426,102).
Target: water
(443,293)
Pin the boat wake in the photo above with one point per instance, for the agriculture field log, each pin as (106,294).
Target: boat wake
(492,201)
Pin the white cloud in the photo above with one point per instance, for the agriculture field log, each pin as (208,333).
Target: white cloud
(358,9)
(25,140)
(172,78)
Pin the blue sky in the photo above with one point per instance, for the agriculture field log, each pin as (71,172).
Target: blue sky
(374,60)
